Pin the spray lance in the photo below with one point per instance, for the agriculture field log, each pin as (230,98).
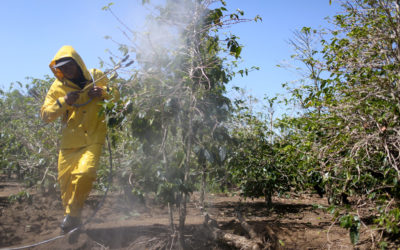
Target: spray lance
(107,72)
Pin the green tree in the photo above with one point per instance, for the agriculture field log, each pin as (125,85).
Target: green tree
(178,103)
(28,146)
(352,115)
(256,162)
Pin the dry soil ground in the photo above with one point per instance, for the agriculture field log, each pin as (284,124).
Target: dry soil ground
(298,222)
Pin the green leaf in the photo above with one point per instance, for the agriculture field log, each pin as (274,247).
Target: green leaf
(258,18)
(354,235)
(241,12)
(108,6)
(234,16)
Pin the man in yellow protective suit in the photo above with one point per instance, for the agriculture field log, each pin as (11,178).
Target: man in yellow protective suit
(74,96)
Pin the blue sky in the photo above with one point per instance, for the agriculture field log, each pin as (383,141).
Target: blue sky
(33,31)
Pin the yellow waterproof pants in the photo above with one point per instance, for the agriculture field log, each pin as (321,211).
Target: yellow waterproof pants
(76,173)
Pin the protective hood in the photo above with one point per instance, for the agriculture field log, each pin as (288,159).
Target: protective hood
(68,51)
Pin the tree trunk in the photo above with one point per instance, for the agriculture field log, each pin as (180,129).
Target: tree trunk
(171,217)
(249,229)
(203,186)
(268,197)
(182,219)
(233,240)
(271,241)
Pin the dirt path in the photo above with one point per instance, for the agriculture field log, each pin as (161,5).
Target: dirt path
(297,222)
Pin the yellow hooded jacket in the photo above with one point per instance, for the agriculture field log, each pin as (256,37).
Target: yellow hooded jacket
(82,125)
